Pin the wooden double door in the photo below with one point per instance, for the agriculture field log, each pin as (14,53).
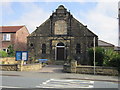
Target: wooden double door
(60,53)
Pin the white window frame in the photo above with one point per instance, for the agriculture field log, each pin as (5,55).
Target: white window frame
(6,37)
(5,49)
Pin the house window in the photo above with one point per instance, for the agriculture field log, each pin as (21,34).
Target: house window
(43,49)
(6,37)
(78,49)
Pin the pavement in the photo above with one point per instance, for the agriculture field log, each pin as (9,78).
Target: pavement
(55,71)
(52,69)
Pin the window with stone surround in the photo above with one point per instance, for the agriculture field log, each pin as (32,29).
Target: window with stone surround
(60,27)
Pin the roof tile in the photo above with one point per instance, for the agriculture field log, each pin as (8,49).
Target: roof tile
(10,28)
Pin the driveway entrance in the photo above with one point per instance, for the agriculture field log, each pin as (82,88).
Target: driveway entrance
(52,69)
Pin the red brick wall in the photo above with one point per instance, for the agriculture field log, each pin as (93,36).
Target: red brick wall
(5,44)
(18,39)
(21,39)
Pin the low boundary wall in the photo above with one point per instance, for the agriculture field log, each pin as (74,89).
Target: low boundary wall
(99,70)
(8,60)
(18,67)
(30,67)
(9,67)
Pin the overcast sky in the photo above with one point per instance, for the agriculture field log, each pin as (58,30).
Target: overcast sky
(100,17)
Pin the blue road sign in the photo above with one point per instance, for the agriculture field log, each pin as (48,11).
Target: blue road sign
(43,60)
(21,55)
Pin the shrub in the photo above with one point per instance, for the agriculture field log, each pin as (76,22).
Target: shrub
(108,56)
(11,52)
(99,55)
(105,57)
(91,55)
(112,59)
(115,61)
(3,54)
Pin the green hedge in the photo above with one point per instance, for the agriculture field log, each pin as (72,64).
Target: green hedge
(3,54)
(99,55)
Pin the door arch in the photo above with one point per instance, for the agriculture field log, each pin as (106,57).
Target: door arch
(60,51)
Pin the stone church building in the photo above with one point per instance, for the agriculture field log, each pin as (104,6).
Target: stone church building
(61,37)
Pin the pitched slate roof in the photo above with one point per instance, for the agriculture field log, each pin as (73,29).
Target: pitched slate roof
(104,44)
(6,29)
(117,48)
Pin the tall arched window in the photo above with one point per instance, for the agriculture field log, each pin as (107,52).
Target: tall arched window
(92,44)
(78,48)
(43,49)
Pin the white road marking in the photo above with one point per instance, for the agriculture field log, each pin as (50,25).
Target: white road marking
(65,83)
(92,82)
(46,81)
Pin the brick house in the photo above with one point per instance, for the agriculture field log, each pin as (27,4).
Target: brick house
(60,38)
(13,35)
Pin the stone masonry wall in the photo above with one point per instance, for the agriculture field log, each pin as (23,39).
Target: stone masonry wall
(18,67)
(98,70)
(8,67)
(8,60)
(30,67)
(72,68)
(61,27)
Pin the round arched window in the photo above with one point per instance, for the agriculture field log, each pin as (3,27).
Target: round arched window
(31,45)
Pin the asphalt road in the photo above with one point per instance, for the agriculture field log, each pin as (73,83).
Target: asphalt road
(35,82)
(55,78)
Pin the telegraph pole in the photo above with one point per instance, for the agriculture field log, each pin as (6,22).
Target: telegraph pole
(119,23)
(94,54)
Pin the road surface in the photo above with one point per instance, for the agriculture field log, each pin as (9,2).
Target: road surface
(55,78)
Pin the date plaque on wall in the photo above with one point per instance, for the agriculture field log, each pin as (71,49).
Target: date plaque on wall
(60,27)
